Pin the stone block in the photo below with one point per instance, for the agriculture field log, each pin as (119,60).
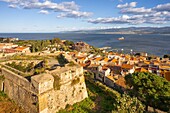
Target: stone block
(42,82)
(24,83)
(43,103)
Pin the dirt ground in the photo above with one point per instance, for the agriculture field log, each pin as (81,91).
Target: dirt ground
(8,106)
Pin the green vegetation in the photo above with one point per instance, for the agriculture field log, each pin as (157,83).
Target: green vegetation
(56,41)
(69,43)
(36,45)
(40,45)
(21,66)
(104,100)
(7,105)
(101,100)
(61,59)
(151,89)
(1,77)
(27,68)
(127,104)
(2,96)
(97,102)
(39,70)
(30,57)
(71,63)
(96,51)
(166,56)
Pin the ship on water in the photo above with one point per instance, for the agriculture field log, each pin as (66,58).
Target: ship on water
(121,38)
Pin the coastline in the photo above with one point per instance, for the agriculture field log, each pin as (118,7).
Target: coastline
(151,43)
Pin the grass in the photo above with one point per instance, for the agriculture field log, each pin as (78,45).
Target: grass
(3,96)
(100,100)
(1,77)
(7,105)
(30,57)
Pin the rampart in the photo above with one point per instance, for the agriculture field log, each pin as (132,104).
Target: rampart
(48,92)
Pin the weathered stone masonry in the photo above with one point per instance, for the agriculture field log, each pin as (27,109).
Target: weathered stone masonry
(48,92)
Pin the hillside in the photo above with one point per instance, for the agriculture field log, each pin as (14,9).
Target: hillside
(129,30)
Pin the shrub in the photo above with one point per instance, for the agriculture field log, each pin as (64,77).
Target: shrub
(127,104)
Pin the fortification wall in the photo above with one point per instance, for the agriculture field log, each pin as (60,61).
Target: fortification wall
(20,90)
(70,89)
(46,93)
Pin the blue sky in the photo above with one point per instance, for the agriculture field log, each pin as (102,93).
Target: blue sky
(68,15)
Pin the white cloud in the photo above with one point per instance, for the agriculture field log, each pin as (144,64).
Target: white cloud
(67,9)
(48,5)
(134,15)
(75,14)
(12,6)
(122,5)
(130,8)
(114,20)
(44,12)
(163,7)
(127,5)
(157,18)
(140,10)
(132,4)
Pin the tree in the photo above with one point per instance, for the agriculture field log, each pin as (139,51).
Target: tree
(69,43)
(151,89)
(32,49)
(62,60)
(127,104)
(166,56)
(56,40)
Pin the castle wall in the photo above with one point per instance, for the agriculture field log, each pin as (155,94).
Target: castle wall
(40,95)
(20,90)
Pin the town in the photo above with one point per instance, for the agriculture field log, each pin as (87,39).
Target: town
(108,67)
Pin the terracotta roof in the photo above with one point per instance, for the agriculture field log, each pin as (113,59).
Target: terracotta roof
(156,62)
(72,53)
(83,65)
(167,75)
(146,62)
(106,59)
(165,67)
(111,78)
(121,82)
(110,53)
(127,66)
(98,59)
(4,44)
(20,48)
(104,68)
(81,58)
(114,60)
(127,56)
(141,70)
(93,65)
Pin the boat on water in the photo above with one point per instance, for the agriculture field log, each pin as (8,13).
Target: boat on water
(121,38)
(105,48)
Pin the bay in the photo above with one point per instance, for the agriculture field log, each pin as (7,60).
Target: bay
(156,44)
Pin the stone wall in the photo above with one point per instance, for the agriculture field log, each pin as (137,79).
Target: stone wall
(20,90)
(40,95)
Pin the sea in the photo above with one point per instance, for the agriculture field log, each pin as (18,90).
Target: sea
(153,44)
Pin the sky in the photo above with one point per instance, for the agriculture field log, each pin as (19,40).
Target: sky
(18,16)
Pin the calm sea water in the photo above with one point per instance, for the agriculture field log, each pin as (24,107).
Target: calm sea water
(152,43)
